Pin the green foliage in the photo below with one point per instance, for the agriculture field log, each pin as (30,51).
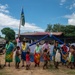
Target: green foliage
(68,30)
(9,33)
(49,28)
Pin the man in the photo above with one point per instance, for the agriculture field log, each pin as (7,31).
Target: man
(24,49)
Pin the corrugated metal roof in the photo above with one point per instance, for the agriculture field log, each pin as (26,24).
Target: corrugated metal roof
(42,33)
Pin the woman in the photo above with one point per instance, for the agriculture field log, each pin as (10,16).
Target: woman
(9,52)
(64,54)
(37,52)
(56,54)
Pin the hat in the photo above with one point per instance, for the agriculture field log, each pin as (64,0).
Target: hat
(24,39)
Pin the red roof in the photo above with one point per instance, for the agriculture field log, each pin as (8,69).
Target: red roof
(42,33)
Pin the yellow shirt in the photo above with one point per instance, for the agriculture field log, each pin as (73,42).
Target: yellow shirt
(24,47)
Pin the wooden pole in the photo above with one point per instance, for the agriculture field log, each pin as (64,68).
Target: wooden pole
(19,30)
(19,27)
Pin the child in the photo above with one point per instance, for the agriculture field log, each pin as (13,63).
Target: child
(27,60)
(45,56)
(48,56)
(17,57)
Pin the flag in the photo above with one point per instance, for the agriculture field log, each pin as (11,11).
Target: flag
(22,19)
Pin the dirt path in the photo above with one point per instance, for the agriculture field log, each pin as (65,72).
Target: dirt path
(63,70)
(22,71)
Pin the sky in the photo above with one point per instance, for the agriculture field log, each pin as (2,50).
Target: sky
(38,13)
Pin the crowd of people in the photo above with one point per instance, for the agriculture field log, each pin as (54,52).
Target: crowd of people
(61,54)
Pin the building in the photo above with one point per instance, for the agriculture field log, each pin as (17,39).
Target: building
(41,35)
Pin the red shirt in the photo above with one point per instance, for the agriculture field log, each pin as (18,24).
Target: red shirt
(27,57)
(64,48)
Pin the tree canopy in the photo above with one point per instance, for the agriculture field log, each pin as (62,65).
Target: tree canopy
(68,30)
(9,33)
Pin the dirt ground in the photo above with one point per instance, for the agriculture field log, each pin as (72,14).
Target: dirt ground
(34,71)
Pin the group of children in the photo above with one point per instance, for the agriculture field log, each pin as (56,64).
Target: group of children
(46,58)
(18,58)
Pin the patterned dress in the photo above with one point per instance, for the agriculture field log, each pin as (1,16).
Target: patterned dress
(64,54)
(37,55)
(9,52)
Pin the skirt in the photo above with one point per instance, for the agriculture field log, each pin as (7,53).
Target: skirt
(17,59)
(72,58)
(58,57)
(37,58)
(64,57)
(9,57)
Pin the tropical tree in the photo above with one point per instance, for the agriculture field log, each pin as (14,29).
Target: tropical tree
(49,28)
(56,27)
(9,33)
(68,30)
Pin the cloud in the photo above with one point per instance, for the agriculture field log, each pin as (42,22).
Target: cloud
(72,6)
(62,2)
(3,8)
(70,16)
(71,22)
(9,21)
(71,19)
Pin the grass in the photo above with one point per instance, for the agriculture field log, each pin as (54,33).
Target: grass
(63,70)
